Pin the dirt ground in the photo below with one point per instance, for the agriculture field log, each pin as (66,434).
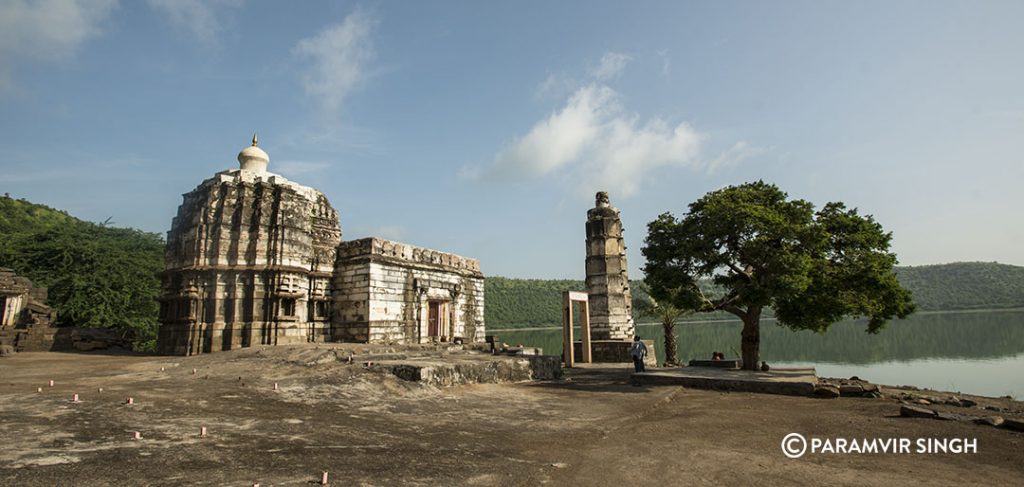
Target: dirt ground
(366,428)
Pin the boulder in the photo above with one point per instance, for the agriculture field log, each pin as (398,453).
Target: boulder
(6,350)
(1013,424)
(968,403)
(88,339)
(989,420)
(907,411)
(851,390)
(827,391)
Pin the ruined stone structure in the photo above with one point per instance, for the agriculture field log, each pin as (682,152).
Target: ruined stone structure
(610,301)
(253,258)
(611,305)
(25,319)
(388,291)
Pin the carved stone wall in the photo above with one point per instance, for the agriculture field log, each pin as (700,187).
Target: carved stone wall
(248,261)
(384,291)
(611,303)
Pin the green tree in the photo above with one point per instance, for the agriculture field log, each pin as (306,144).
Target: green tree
(667,314)
(98,276)
(760,250)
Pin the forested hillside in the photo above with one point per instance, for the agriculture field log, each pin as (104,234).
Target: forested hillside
(521,303)
(964,285)
(97,275)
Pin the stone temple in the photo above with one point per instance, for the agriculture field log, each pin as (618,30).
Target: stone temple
(255,259)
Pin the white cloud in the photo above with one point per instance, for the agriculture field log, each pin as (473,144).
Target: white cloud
(603,148)
(594,142)
(739,152)
(555,86)
(339,55)
(559,139)
(46,30)
(610,66)
(198,16)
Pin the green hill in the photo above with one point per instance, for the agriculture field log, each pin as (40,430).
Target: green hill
(523,303)
(964,285)
(98,276)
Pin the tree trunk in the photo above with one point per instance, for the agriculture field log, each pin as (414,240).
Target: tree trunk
(671,358)
(751,340)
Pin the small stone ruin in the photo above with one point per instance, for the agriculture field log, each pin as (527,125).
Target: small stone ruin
(25,319)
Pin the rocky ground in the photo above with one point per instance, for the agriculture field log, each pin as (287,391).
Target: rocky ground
(367,427)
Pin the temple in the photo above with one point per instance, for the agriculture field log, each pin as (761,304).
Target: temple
(255,259)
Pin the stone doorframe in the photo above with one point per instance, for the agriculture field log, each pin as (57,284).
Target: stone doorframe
(569,297)
(447,296)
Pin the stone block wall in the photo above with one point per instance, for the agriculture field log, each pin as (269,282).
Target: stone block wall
(383,290)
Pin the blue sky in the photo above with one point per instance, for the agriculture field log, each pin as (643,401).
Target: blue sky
(485,128)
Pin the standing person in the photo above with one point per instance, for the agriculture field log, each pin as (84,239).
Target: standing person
(639,353)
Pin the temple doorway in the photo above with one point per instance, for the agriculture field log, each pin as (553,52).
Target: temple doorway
(434,319)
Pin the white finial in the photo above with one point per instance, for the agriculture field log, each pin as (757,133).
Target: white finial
(253,158)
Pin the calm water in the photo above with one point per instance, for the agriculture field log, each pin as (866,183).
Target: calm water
(977,353)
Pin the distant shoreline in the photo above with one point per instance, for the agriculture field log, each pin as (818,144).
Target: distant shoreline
(737,320)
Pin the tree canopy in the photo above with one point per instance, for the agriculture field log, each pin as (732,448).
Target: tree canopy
(759,249)
(98,276)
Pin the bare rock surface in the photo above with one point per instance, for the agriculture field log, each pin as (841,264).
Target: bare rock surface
(366,426)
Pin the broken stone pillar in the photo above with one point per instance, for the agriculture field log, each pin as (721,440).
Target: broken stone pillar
(611,305)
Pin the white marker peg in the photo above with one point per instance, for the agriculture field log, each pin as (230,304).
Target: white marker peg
(193,371)
(323,479)
(74,398)
(51,383)
(129,401)
(275,386)
(161,369)
(136,436)
(202,432)
(39,389)
(99,389)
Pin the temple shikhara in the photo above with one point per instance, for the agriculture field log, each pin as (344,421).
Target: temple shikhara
(253,258)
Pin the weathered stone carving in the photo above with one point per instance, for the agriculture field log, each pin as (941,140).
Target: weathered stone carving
(25,319)
(253,258)
(611,305)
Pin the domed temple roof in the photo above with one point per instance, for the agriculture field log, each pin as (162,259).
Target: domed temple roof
(253,158)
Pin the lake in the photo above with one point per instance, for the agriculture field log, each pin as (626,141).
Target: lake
(971,352)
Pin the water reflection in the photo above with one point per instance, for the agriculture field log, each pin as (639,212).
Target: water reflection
(958,351)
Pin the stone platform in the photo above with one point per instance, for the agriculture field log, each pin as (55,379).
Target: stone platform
(473,369)
(790,382)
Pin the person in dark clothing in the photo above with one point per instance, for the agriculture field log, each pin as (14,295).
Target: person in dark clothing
(639,353)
